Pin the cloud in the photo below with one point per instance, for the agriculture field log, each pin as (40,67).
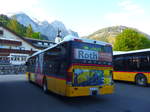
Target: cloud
(117,18)
(128,5)
(130,14)
(33,8)
(128,10)
(8,6)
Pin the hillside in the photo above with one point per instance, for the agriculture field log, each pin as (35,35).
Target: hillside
(25,26)
(108,34)
(19,28)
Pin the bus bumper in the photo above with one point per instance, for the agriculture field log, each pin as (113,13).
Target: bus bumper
(89,91)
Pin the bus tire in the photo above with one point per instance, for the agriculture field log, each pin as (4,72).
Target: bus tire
(29,78)
(141,80)
(45,89)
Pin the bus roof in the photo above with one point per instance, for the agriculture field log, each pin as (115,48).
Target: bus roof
(130,52)
(72,38)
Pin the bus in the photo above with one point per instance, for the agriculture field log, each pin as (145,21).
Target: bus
(74,67)
(133,66)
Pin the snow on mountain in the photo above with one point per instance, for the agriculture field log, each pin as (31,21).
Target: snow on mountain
(45,28)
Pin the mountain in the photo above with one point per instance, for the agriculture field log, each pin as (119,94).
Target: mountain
(108,34)
(48,30)
(73,32)
(25,20)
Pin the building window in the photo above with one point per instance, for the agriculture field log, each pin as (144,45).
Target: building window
(40,43)
(51,44)
(1,32)
(46,44)
(22,48)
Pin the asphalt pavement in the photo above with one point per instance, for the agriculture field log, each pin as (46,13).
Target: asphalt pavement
(18,95)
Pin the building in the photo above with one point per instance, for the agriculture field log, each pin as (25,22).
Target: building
(15,49)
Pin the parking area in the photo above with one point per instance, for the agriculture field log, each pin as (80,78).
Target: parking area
(18,95)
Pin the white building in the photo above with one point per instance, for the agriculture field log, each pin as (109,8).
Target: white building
(14,49)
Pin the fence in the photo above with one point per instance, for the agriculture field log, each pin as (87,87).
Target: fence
(12,69)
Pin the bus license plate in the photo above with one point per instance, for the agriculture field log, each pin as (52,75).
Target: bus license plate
(93,91)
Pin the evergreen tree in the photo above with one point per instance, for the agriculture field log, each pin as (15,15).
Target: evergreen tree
(29,31)
(4,19)
(14,25)
(37,35)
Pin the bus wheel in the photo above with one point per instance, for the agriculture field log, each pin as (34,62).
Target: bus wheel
(29,78)
(141,80)
(45,85)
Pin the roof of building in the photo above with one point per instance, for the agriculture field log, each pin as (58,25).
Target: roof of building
(28,40)
(36,41)
(130,52)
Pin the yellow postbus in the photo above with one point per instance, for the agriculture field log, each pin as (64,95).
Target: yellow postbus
(133,66)
(73,67)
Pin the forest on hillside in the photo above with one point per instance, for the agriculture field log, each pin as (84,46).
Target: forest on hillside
(131,39)
(122,38)
(15,26)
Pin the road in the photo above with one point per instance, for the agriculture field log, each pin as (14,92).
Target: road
(18,95)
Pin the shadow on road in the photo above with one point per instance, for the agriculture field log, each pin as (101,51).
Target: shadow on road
(79,101)
(132,84)
(20,95)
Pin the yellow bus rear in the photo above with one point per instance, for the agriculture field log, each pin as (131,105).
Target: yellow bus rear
(79,77)
(64,87)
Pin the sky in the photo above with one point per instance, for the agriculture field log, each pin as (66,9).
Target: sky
(84,16)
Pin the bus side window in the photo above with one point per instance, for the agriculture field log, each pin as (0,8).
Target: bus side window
(144,63)
(63,67)
(117,63)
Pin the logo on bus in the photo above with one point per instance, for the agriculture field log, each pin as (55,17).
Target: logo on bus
(86,54)
(92,55)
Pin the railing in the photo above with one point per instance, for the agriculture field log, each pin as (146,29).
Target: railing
(12,69)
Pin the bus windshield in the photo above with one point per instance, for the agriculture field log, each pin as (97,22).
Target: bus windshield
(88,53)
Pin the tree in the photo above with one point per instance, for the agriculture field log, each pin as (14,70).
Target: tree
(29,31)
(20,29)
(37,35)
(4,19)
(130,39)
(14,25)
